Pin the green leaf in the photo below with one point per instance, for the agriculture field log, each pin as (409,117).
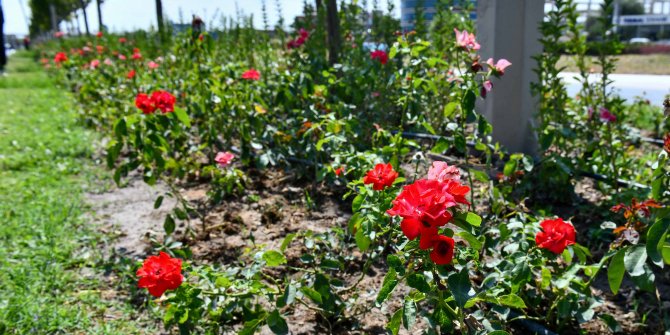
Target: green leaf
(418,281)
(634,260)
(510,167)
(390,281)
(428,127)
(441,146)
(276,323)
(409,314)
(472,240)
(512,300)
(656,239)
(615,271)
(182,116)
(250,327)
(288,297)
(468,102)
(498,332)
(312,294)
(120,129)
(158,202)
(449,109)
(362,240)
(169,225)
(356,204)
(394,324)
(473,219)
(184,317)
(274,258)
(287,241)
(459,284)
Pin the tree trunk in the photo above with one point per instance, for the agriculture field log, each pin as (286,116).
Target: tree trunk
(83,9)
(159,17)
(333,21)
(101,26)
(3,55)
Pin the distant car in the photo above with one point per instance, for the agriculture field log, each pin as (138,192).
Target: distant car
(639,40)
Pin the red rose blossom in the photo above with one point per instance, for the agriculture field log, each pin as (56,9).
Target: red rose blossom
(122,40)
(251,74)
(381,176)
(425,204)
(146,104)
(159,274)
(380,55)
(164,101)
(443,250)
(339,171)
(666,144)
(131,74)
(99,34)
(60,57)
(555,236)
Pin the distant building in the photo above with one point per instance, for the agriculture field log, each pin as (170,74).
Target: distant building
(408,11)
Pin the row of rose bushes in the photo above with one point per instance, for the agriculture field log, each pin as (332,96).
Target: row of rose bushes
(206,109)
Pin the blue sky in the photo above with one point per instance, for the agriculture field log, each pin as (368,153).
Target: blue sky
(126,15)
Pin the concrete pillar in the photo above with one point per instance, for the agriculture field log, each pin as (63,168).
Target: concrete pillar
(509,29)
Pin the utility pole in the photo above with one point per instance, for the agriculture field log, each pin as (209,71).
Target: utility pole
(54,17)
(101,26)
(333,21)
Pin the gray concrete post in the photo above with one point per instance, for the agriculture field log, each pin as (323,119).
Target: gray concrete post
(509,29)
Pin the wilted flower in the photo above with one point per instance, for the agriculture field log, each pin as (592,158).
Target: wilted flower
(606,116)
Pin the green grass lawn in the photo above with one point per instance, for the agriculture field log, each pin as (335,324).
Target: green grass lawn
(51,265)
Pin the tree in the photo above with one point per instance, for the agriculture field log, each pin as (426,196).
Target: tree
(420,20)
(3,55)
(159,18)
(40,20)
(83,9)
(101,26)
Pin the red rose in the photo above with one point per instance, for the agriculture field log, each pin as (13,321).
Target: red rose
(137,55)
(146,104)
(164,101)
(666,144)
(556,235)
(443,250)
(99,34)
(60,57)
(122,40)
(159,274)
(380,55)
(339,171)
(131,74)
(251,74)
(381,176)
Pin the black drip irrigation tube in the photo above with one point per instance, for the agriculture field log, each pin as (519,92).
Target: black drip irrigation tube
(595,176)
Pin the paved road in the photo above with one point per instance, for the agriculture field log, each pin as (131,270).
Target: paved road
(629,86)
